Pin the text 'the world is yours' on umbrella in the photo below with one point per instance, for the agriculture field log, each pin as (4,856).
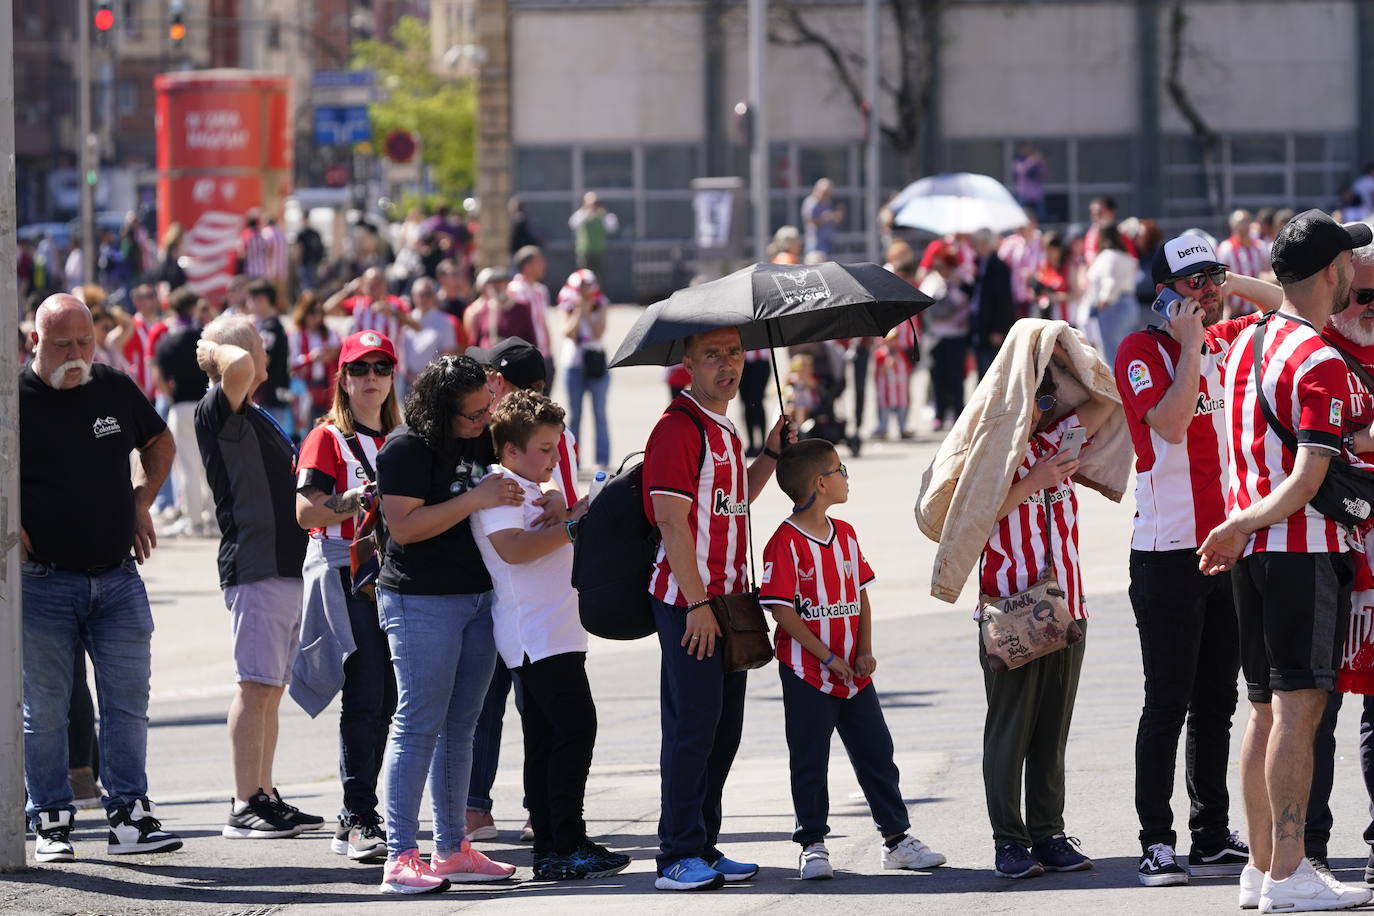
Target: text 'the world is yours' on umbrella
(774,305)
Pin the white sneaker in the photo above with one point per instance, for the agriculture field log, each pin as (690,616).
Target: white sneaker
(1307,890)
(54,837)
(911,854)
(814,862)
(1251,883)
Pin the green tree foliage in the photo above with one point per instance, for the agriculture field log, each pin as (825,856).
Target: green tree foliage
(442,112)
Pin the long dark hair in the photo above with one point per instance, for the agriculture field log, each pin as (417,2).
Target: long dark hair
(435,397)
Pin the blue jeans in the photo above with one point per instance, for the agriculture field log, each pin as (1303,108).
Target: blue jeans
(579,385)
(702,712)
(108,614)
(486,740)
(443,651)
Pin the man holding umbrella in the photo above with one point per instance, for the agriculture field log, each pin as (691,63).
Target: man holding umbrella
(697,491)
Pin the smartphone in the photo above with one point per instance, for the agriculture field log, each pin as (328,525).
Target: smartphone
(1071,444)
(1167,304)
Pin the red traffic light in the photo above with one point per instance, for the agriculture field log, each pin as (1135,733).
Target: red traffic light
(104,19)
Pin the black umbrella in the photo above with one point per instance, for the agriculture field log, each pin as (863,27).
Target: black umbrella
(774,305)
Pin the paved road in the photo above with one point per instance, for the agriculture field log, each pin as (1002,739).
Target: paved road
(927,674)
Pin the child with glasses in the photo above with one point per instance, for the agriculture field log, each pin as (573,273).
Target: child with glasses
(814,581)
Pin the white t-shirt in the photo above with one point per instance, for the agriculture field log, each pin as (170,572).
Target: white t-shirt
(435,335)
(535,609)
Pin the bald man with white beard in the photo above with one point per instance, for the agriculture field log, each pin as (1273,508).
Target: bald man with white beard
(85,525)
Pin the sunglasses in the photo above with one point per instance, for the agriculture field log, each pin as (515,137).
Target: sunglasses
(1198,280)
(841,470)
(1363,296)
(1046,402)
(381,369)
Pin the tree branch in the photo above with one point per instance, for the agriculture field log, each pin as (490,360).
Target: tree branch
(1206,137)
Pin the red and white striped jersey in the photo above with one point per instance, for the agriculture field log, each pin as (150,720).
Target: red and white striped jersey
(138,357)
(891,375)
(1246,257)
(257,253)
(368,317)
(821,581)
(303,344)
(1356,674)
(565,475)
(1180,490)
(277,252)
(1017,552)
(1024,256)
(328,464)
(1308,388)
(713,481)
(536,296)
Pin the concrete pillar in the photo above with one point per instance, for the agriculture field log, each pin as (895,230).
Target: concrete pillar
(1149,158)
(494,148)
(1364,99)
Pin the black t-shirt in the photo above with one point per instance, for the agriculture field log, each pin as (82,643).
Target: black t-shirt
(251,467)
(176,360)
(278,348)
(448,563)
(75,487)
(455,306)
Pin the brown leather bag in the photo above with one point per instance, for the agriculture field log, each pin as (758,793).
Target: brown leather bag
(744,640)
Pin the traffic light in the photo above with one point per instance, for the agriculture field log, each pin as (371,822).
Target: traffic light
(176,27)
(104,18)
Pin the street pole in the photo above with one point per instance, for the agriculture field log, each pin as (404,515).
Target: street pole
(871,164)
(85,156)
(12,827)
(758,105)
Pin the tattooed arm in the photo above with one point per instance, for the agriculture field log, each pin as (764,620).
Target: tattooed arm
(318,509)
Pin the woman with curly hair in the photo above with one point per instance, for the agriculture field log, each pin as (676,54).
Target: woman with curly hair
(434,597)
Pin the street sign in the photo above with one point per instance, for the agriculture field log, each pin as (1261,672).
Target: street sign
(343,79)
(341,125)
(400,146)
(336,176)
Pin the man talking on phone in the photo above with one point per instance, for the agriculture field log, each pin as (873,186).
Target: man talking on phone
(1170,381)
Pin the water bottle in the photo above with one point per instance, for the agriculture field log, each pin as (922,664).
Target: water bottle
(598,481)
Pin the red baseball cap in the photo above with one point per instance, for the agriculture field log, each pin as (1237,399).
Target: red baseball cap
(365,343)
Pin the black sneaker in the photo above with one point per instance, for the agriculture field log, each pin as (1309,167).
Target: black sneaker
(1158,868)
(296,815)
(1227,859)
(588,860)
(1369,868)
(339,844)
(54,833)
(259,818)
(1016,861)
(1058,854)
(134,830)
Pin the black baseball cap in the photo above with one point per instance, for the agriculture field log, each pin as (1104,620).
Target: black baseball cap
(515,358)
(1181,257)
(1310,241)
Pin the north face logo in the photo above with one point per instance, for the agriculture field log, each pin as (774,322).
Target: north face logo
(1357,507)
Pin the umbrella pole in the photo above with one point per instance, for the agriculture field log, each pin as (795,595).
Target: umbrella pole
(777,381)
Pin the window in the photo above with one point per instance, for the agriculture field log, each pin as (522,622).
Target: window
(546,168)
(817,162)
(127,97)
(670,168)
(603,169)
(669,219)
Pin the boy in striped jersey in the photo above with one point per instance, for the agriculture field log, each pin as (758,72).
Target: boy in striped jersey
(814,581)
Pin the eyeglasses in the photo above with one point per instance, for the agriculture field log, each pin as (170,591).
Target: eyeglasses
(1198,280)
(1363,296)
(1046,402)
(381,368)
(841,470)
(479,416)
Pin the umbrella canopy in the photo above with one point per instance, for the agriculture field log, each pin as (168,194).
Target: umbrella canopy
(774,305)
(957,202)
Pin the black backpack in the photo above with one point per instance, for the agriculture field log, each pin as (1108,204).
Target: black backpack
(614,556)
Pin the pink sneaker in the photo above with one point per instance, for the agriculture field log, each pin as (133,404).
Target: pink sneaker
(467,865)
(410,875)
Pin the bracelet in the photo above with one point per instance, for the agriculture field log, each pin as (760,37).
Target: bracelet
(702,603)
(826,663)
(770,453)
(571,528)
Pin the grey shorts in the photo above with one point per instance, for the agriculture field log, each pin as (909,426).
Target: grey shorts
(266,621)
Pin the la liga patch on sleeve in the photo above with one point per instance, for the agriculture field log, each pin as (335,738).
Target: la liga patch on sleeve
(1138,376)
(1337,408)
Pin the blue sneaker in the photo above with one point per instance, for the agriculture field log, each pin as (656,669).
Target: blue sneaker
(689,875)
(1058,854)
(735,871)
(1016,861)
